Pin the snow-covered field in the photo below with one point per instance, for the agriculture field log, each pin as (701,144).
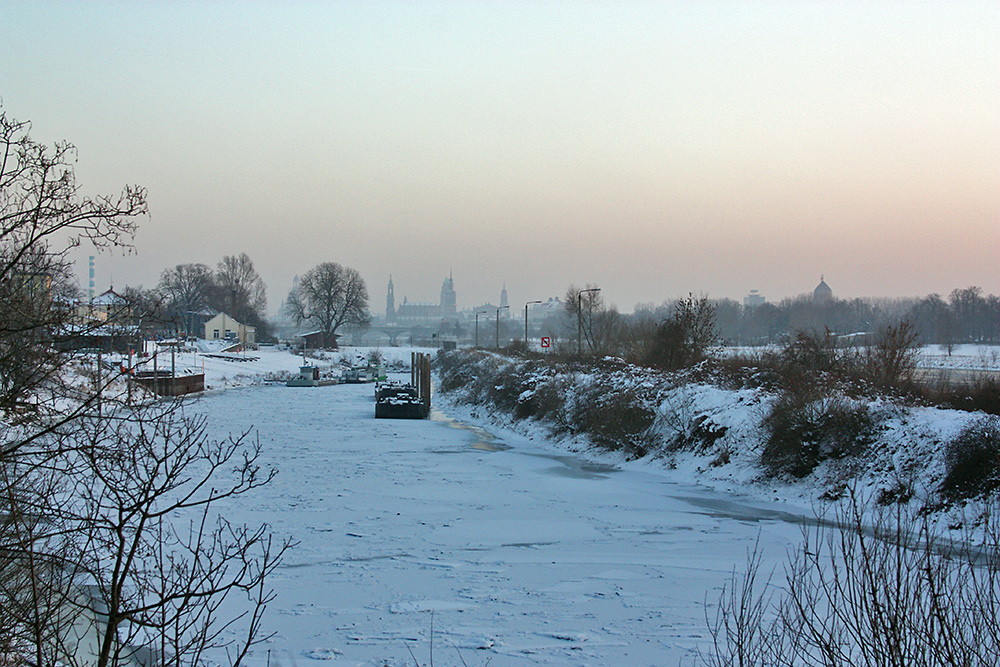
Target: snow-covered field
(514,549)
(962,357)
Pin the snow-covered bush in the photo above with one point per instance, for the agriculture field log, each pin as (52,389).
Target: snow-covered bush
(803,431)
(972,461)
(616,418)
(811,427)
(613,415)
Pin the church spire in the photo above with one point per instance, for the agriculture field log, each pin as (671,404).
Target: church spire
(390,302)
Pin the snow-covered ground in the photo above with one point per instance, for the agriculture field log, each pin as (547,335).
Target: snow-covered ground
(495,545)
(965,357)
(228,370)
(962,357)
(515,549)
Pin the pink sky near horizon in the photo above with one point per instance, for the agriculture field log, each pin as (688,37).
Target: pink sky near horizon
(651,148)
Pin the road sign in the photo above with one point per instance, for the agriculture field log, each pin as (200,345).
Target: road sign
(546,341)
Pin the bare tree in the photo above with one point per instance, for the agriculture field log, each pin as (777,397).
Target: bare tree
(40,206)
(968,306)
(39,200)
(108,511)
(149,534)
(112,547)
(585,307)
(328,297)
(187,289)
(241,291)
(687,336)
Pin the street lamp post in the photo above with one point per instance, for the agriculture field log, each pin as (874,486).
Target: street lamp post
(526,323)
(579,319)
(498,324)
(482,312)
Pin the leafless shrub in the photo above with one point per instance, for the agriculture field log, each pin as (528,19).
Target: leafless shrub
(686,337)
(873,586)
(891,356)
(676,415)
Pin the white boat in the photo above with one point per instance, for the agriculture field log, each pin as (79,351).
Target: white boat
(308,377)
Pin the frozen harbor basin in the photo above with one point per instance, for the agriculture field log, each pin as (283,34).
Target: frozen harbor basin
(488,546)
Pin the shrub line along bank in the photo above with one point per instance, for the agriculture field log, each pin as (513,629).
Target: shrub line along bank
(816,432)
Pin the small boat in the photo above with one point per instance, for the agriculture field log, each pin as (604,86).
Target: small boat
(309,377)
(366,374)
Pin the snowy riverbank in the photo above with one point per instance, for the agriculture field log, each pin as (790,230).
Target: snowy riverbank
(491,541)
(908,450)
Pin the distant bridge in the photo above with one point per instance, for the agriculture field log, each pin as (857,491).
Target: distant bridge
(413,332)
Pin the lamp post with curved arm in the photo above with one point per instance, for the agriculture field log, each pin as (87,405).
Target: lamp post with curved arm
(579,319)
(526,323)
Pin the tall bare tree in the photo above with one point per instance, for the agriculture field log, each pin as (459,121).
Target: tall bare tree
(187,289)
(241,291)
(329,296)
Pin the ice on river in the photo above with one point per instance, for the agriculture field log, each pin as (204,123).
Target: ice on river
(515,550)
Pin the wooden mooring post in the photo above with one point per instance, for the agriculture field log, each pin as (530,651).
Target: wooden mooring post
(420,377)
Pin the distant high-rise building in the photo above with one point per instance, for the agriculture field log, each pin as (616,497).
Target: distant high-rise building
(504,303)
(753,299)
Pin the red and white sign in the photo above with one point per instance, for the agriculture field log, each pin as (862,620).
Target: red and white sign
(546,341)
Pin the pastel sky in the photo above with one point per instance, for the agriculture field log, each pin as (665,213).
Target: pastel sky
(650,148)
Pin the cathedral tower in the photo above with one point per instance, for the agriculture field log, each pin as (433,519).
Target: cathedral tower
(390,303)
(448,297)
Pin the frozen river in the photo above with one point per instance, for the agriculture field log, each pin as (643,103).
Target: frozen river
(519,551)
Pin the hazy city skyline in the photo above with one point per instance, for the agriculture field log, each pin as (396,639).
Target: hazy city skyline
(651,148)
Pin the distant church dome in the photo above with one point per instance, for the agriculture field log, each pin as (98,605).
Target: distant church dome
(822,292)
